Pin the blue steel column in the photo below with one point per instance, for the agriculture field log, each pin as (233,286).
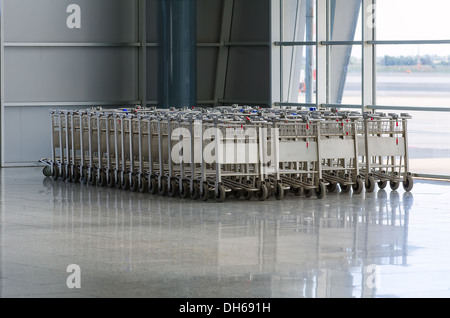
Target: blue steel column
(177,54)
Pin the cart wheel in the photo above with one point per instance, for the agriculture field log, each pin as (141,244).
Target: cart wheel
(101,180)
(247,194)
(205,194)
(162,188)
(76,175)
(370,184)
(69,173)
(110,182)
(408,183)
(72,174)
(194,191)
(345,188)
(142,184)
(320,191)
(382,184)
(237,194)
(308,192)
(279,191)
(55,172)
(172,190)
(184,190)
(297,192)
(263,193)
(133,183)
(358,187)
(394,185)
(63,174)
(47,171)
(220,196)
(152,186)
(331,187)
(92,178)
(84,177)
(125,182)
(118,181)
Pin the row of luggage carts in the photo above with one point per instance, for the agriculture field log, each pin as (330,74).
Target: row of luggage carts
(215,153)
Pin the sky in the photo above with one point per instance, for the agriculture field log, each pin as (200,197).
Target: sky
(412,20)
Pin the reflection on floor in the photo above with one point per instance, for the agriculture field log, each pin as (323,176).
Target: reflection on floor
(381,244)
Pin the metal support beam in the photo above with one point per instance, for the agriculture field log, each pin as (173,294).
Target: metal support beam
(222,60)
(2,83)
(342,20)
(368,54)
(142,29)
(295,53)
(321,53)
(309,64)
(177,53)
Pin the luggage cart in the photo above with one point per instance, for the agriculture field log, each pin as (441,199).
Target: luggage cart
(200,152)
(235,166)
(385,150)
(298,165)
(53,165)
(339,151)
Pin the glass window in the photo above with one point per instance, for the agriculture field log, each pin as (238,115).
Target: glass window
(345,75)
(299,20)
(412,19)
(429,143)
(413,75)
(299,84)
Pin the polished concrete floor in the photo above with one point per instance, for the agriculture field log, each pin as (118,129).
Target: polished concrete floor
(381,244)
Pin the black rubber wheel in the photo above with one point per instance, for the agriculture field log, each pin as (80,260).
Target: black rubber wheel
(92,178)
(55,172)
(142,184)
(308,192)
(408,183)
(370,184)
(125,182)
(297,192)
(63,173)
(134,185)
(76,175)
(220,194)
(262,193)
(101,180)
(162,188)
(331,187)
(152,186)
(358,186)
(184,190)
(279,191)
(394,185)
(194,191)
(118,181)
(110,181)
(47,171)
(345,188)
(84,177)
(247,195)
(172,189)
(382,184)
(237,194)
(320,191)
(204,195)
(72,170)
(69,173)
